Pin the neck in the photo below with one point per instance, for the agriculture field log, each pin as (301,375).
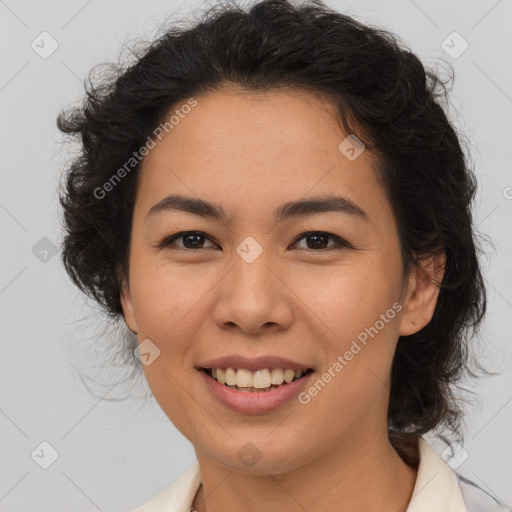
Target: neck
(358,477)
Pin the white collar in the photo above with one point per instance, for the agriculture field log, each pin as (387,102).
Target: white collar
(436,488)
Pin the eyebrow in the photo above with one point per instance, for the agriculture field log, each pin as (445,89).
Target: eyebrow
(292,209)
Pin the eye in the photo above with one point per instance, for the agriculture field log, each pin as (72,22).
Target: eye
(320,239)
(195,240)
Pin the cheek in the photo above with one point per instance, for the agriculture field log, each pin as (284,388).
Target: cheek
(167,305)
(347,298)
(360,326)
(357,311)
(166,295)
(342,300)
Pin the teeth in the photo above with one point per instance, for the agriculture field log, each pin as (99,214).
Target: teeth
(289,375)
(230,377)
(243,378)
(260,379)
(277,376)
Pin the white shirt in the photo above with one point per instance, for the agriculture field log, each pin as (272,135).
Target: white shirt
(437,489)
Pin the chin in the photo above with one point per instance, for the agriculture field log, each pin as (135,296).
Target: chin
(254,457)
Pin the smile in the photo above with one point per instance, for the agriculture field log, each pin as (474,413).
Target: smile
(255,392)
(263,380)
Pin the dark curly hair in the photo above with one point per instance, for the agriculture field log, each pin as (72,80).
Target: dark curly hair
(382,93)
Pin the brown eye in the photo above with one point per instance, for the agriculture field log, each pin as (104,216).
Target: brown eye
(190,240)
(315,241)
(318,240)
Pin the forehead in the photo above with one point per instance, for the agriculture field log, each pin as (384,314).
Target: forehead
(246,149)
(283,120)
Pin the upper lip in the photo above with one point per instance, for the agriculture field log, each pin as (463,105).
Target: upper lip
(254,363)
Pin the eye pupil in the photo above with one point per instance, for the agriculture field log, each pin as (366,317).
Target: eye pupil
(188,237)
(317,238)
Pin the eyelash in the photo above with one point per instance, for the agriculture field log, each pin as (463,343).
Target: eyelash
(182,234)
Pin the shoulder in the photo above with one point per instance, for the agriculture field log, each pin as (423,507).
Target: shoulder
(177,497)
(438,487)
(477,499)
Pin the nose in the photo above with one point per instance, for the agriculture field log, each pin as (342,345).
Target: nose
(253,297)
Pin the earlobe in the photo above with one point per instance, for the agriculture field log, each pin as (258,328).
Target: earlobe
(127,305)
(422,295)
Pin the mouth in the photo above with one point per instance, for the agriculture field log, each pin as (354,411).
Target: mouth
(259,381)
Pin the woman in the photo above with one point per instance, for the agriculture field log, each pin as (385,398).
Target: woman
(277,206)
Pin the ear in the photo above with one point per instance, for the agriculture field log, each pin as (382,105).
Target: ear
(127,305)
(422,293)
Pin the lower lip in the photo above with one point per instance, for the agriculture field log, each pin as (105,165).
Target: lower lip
(254,402)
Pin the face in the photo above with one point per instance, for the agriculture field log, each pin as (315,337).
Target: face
(321,287)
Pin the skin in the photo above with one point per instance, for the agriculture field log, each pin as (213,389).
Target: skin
(249,154)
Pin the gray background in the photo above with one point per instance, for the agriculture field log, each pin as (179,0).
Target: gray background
(113,456)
